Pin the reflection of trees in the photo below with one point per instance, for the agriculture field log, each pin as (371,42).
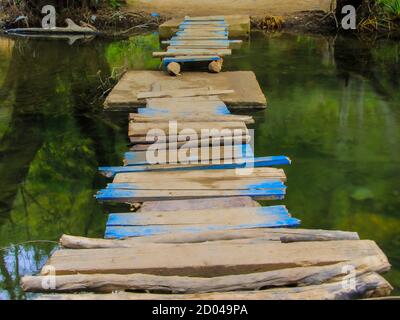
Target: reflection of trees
(51,149)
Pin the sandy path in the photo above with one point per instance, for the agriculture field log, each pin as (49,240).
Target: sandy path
(179,8)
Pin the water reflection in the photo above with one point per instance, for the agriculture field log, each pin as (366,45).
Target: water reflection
(333,108)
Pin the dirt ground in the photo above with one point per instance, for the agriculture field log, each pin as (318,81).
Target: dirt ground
(179,8)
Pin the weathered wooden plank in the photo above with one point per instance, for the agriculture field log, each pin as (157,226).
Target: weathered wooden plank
(302,276)
(202,42)
(153,223)
(202,32)
(205,18)
(129,196)
(188,137)
(238,184)
(176,127)
(226,216)
(209,259)
(171,111)
(183,59)
(189,37)
(121,232)
(367,285)
(189,155)
(182,93)
(227,164)
(189,52)
(223,236)
(195,117)
(171,145)
(200,175)
(199,204)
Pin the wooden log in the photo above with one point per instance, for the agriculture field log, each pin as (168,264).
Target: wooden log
(302,276)
(208,259)
(196,117)
(254,235)
(215,66)
(182,93)
(174,69)
(368,285)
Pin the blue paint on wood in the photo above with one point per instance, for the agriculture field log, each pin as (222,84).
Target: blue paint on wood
(216,32)
(190,59)
(219,110)
(265,184)
(139,231)
(248,163)
(134,219)
(133,195)
(207,43)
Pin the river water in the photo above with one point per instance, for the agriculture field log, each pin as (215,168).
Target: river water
(333,108)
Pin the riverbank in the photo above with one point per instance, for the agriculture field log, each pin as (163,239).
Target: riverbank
(317,17)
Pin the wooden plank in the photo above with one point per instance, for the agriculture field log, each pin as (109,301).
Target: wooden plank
(238,184)
(209,259)
(183,52)
(205,18)
(188,37)
(170,111)
(122,232)
(222,236)
(226,216)
(176,127)
(195,117)
(201,33)
(198,204)
(302,276)
(183,59)
(182,93)
(215,141)
(190,155)
(226,164)
(156,139)
(200,175)
(121,226)
(129,196)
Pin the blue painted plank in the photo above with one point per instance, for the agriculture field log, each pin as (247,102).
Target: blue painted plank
(263,184)
(253,162)
(190,59)
(139,231)
(122,195)
(142,218)
(217,32)
(219,110)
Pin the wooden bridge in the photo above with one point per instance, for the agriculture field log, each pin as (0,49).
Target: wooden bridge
(198,233)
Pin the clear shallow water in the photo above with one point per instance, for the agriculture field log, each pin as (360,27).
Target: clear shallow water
(333,108)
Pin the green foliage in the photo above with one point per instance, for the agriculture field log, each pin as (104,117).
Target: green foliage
(392,7)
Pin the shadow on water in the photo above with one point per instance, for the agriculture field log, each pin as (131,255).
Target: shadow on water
(333,108)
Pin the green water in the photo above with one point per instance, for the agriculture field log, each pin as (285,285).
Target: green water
(333,108)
